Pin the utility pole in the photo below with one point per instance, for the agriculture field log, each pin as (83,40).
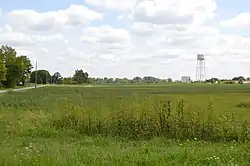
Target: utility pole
(36,76)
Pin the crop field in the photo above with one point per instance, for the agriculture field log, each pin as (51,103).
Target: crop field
(126,125)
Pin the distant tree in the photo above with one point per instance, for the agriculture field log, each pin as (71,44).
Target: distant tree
(125,81)
(163,81)
(69,80)
(238,78)
(137,80)
(80,76)
(241,81)
(43,77)
(169,80)
(110,81)
(117,81)
(57,78)
(212,80)
(99,81)
(150,79)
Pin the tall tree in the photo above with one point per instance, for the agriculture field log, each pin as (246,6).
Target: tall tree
(80,76)
(3,72)
(169,80)
(13,65)
(26,70)
(43,77)
(56,78)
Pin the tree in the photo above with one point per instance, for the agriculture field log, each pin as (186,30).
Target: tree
(26,68)
(14,66)
(137,80)
(212,80)
(241,81)
(238,78)
(43,77)
(169,80)
(110,81)
(80,76)
(3,72)
(57,78)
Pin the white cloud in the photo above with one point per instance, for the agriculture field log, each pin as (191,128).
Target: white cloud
(175,11)
(15,39)
(106,39)
(162,11)
(112,4)
(52,37)
(74,15)
(241,20)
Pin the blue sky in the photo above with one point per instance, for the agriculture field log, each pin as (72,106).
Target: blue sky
(159,38)
(42,5)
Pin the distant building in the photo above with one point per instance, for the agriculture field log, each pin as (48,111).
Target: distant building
(186,79)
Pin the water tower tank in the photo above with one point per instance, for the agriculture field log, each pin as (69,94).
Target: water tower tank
(200,57)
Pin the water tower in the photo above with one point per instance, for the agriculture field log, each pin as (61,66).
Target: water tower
(200,68)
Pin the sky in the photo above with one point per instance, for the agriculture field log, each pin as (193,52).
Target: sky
(128,38)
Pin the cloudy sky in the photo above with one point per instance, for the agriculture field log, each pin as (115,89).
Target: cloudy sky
(127,38)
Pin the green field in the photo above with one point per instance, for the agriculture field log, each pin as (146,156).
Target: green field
(126,125)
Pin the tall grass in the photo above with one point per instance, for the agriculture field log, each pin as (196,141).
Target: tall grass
(162,120)
(137,113)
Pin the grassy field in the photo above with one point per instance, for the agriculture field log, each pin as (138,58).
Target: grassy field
(126,125)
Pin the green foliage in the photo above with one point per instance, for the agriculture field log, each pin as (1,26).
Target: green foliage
(135,80)
(57,78)
(3,72)
(43,77)
(26,68)
(212,80)
(17,68)
(239,78)
(133,124)
(80,76)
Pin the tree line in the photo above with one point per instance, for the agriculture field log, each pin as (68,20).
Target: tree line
(44,77)
(81,77)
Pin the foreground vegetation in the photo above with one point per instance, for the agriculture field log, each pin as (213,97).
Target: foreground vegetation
(126,125)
